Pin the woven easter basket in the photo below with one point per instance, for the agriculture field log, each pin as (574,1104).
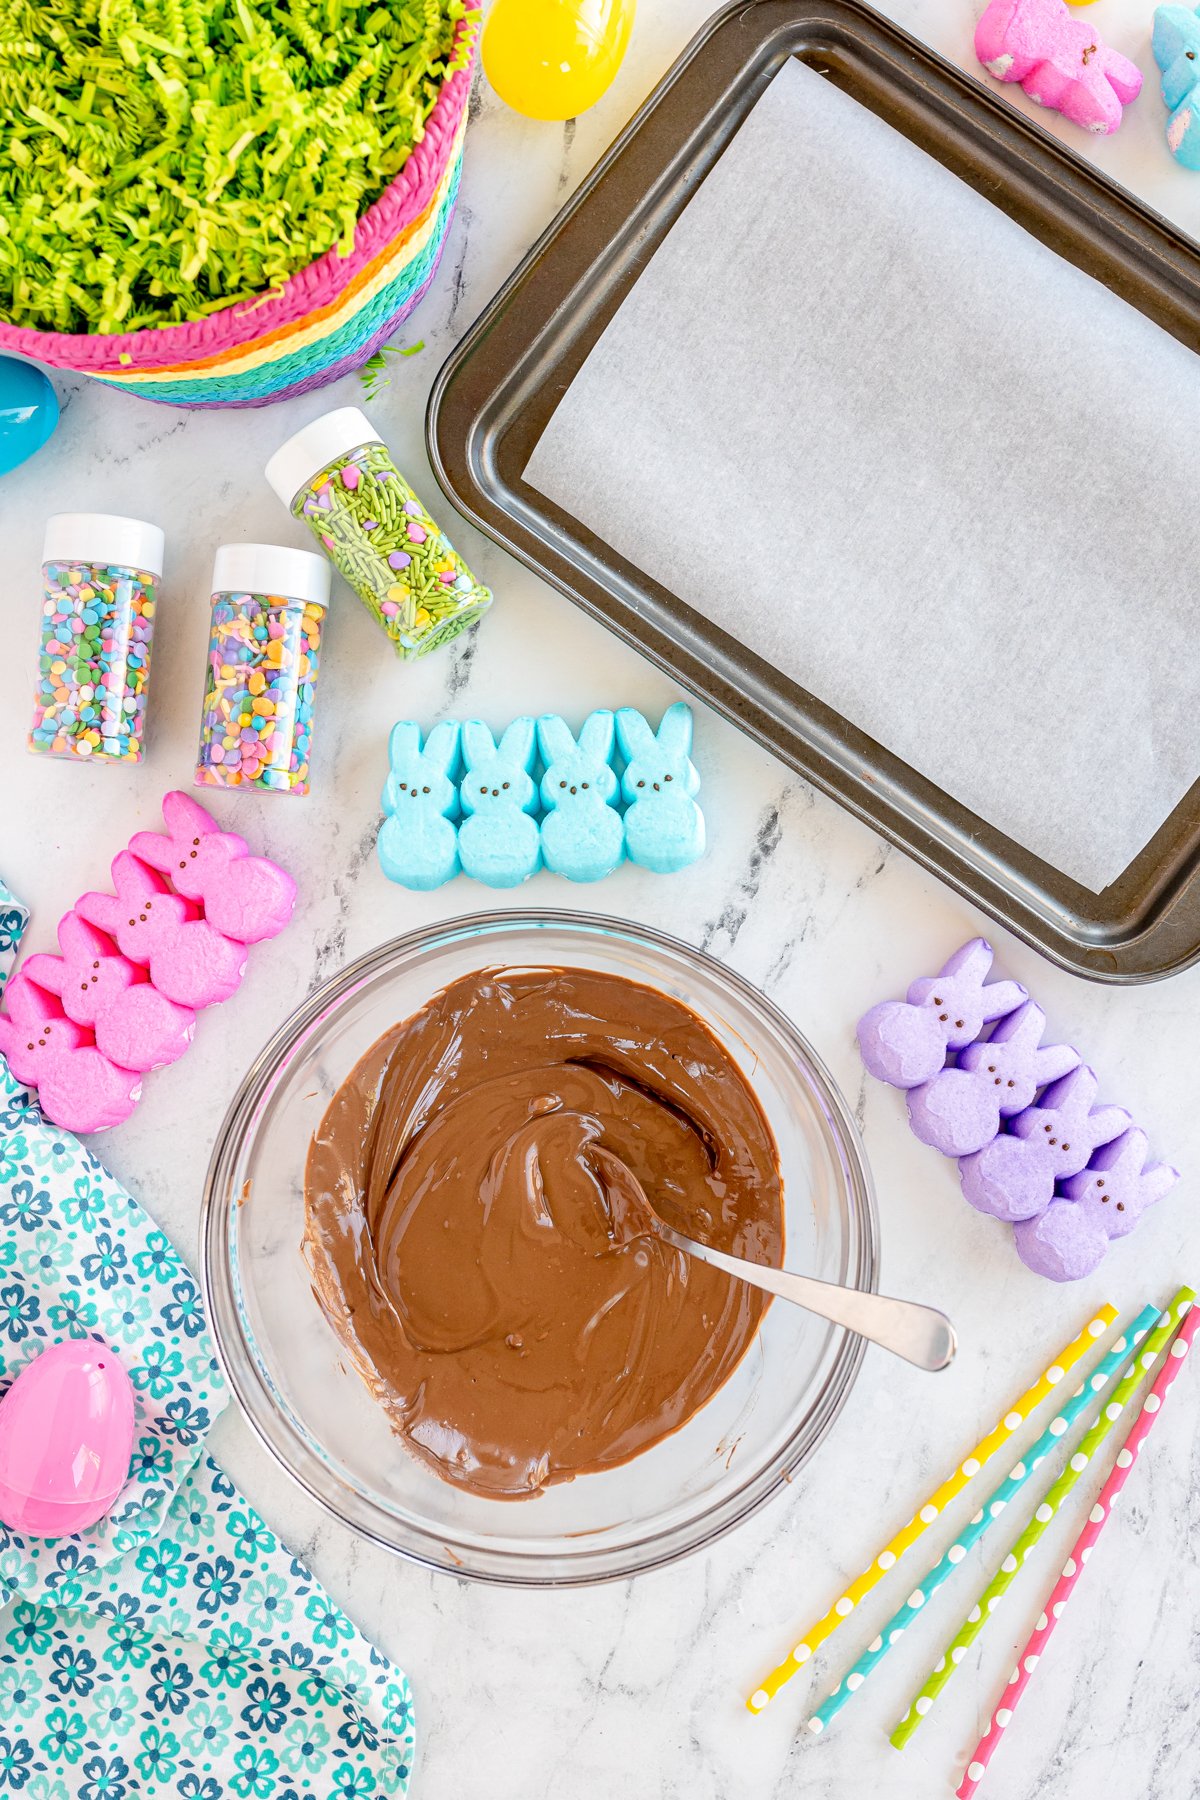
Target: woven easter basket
(324,321)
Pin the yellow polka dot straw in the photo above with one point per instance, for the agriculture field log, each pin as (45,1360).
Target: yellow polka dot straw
(989,1600)
(1056,1601)
(955,1482)
(1107,1370)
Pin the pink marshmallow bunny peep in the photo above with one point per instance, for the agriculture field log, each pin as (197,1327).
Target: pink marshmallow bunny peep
(244,897)
(1059,60)
(134,1024)
(78,1087)
(189,960)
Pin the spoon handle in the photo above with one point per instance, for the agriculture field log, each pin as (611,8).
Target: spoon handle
(920,1334)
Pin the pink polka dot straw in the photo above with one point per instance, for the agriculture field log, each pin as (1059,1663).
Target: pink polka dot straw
(1127,1455)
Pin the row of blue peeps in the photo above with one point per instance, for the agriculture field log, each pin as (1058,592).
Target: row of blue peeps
(458,800)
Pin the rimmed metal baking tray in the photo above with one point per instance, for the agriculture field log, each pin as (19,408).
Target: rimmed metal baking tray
(499,388)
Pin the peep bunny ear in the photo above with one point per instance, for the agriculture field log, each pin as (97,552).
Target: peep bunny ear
(973,960)
(674,734)
(517,744)
(404,743)
(132,876)
(554,738)
(633,734)
(596,738)
(153,848)
(441,746)
(49,972)
(1053,1061)
(1156,1181)
(27,1001)
(1077,1090)
(1106,1123)
(1024,1027)
(186,817)
(99,909)
(1001,997)
(478,744)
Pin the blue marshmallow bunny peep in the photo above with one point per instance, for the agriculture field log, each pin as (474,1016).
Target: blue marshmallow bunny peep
(583,836)
(418,845)
(1176,45)
(664,828)
(498,841)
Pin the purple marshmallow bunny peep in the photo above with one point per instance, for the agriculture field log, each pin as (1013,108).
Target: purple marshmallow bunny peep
(1105,1201)
(1013,1177)
(960,1110)
(904,1042)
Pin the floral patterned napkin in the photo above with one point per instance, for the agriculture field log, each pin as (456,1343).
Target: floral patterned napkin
(13,920)
(177,1648)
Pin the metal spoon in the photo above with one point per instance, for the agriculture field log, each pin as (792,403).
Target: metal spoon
(920,1334)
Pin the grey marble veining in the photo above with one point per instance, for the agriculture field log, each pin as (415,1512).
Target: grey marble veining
(638,1687)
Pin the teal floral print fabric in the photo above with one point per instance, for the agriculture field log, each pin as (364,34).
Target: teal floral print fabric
(177,1648)
(13,920)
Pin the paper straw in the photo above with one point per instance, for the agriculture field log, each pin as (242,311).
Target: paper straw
(1001,1581)
(1105,1371)
(1035,1648)
(936,1504)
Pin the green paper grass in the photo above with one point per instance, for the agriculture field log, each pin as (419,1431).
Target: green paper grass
(163,158)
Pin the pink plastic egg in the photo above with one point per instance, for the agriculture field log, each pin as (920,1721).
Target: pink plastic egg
(66,1434)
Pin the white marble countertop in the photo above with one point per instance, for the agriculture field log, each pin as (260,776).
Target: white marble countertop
(640,1686)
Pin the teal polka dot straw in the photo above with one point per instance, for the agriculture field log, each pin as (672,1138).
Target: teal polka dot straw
(1106,1371)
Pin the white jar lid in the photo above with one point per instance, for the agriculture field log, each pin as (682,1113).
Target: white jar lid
(104,538)
(332,435)
(271,569)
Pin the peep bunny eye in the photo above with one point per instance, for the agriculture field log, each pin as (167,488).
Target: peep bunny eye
(1100,1183)
(641,784)
(404,787)
(506,785)
(1120,1206)
(424,790)
(563,784)
(668,778)
(583,784)
(134,921)
(95,965)
(196,841)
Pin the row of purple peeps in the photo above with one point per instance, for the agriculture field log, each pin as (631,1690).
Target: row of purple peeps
(1033,1148)
(459,800)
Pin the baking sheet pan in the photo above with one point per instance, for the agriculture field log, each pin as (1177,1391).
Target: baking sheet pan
(496,394)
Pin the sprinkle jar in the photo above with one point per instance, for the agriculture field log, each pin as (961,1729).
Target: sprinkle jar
(264,655)
(338,476)
(100,577)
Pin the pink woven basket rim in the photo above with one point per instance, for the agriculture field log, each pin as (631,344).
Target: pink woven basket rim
(242,321)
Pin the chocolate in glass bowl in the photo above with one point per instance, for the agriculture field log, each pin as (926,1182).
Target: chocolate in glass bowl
(517,1326)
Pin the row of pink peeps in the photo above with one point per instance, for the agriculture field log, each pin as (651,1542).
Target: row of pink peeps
(136,966)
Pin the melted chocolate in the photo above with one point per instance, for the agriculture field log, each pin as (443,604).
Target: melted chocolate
(502,1295)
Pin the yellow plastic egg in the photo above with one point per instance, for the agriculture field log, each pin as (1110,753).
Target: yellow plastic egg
(552,59)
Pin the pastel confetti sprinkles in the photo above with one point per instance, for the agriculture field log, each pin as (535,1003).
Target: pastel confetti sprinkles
(94,661)
(955,1482)
(264,656)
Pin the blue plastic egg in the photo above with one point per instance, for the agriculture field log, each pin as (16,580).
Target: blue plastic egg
(28,411)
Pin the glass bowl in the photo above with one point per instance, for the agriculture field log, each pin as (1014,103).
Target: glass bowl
(313,1412)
